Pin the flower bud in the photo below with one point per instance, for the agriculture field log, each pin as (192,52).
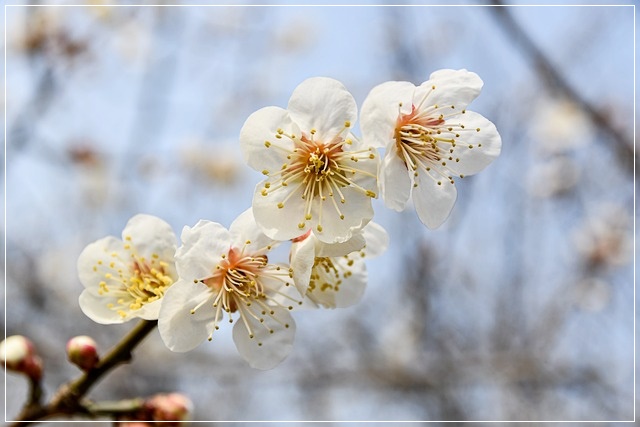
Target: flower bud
(82,351)
(15,351)
(169,407)
(33,367)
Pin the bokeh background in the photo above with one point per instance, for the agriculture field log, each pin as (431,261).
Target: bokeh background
(521,307)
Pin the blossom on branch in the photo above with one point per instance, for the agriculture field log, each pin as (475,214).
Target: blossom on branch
(335,275)
(319,176)
(126,279)
(430,140)
(228,272)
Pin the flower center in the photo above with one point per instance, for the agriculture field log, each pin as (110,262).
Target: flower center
(236,279)
(248,285)
(317,171)
(426,141)
(417,138)
(134,282)
(317,164)
(324,276)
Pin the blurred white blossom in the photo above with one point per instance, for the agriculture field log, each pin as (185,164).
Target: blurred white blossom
(219,164)
(592,294)
(553,177)
(560,125)
(605,238)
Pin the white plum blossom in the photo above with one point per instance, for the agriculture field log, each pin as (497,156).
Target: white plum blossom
(126,278)
(335,275)
(319,176)
(430,140)
(228,273)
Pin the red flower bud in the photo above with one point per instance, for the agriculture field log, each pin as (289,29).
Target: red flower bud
(15,351)
(82,351)
(169,407)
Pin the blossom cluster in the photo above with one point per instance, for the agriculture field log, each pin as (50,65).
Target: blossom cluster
(315,197)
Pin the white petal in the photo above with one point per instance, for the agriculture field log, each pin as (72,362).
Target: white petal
(244,228)
(355,243)
(202,249)
(357,211)
(380,111)
(339,284)
(95,308)
(453,87)
(150,235)
(473,160)
(303,255)
(279,223)
(433,202)
(323,104)
(352,287)
(395,180)
(180,330)
(260,127)
(100,253)
(283,223)
(149,311)
(275,346)
(377,239)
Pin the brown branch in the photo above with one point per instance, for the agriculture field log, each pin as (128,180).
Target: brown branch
(68,400)
(555,80)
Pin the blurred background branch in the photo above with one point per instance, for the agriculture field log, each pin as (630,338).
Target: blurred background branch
(558,84)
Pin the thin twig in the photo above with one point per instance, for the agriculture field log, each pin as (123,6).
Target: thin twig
(555,80)
(68,400)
